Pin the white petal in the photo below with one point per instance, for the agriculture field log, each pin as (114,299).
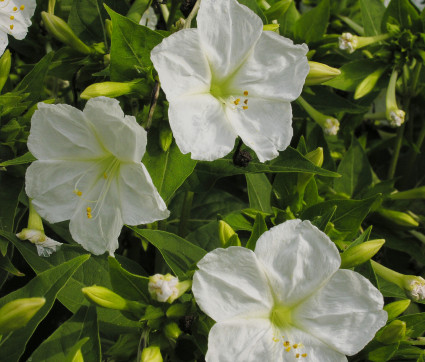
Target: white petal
(231,282)
(201,127)
(228,32)
(345,314)
(276,69)
(3,42)
(298,259)
(265,127)
(140,201)
(121,135)
(60,132)
(14,20)
(51,185)
(181,64)
(99,233)
(242,340)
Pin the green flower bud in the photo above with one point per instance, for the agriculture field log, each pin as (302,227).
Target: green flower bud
(227,235)
(114,89)
(17,313)
(151,354)
(395,116)
(394,309)
(361,253)
(62,32)
(172,331)
(412,194)
(329,124)
(368,84)
(5,63)
(315,157)
(320,73)
(398,217)
(273,27)
(392,333)
(177,310)
(165,137)
(278,9)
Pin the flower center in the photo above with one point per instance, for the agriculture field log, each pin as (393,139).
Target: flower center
(234,102)
(280,316)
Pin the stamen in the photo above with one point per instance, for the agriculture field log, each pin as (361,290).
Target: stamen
(275,339)
(105,175)
(88,209)
(246,101)
(77,192)
(304,355)
(286,343)
(15,8)
(236,102)
(22,7)
(245,93)
(295,346)
(245,108)
(288,349)
(297,355)
(11,27)
(89,216)
(12,17)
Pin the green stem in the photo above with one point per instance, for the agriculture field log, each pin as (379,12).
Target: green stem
(388,274)
(396,154)
(34,220)
(185,213)
(172,15)
(165,12)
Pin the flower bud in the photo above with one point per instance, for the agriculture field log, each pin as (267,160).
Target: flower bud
(177,310)
(113,89)
(5,63)
(227,235)
(172,331)
(329,124)
(165,137)
(398,217)
(320,73)
(315,157)
(392,333)
(167,288)
(62,32)
(361,253)
(394,309)
(412,194)
(395,116)
(368,84)
(151,354)
(17,313)
(272,27)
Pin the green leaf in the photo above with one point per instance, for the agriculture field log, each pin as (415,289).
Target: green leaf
(131,46)
(81,326)
(206,236)
(168,169)
(34,80)
(252,4)
(383,353)
(405,14)
(21,160)
(179,254)
(257,230)
(128,285)
(312,25)
(259,191)
(322,221)
(288,20)
(7,265)
(415,323)
(47,285)
(347,217)
(355,170)
(10,188)
(372,13)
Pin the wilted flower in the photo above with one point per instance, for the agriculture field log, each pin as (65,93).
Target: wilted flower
(287,300)
(166,288)
(45,245)
(89,171)
(229,78)
(15,19)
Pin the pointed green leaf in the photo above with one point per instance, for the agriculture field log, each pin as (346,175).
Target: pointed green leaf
(259,191)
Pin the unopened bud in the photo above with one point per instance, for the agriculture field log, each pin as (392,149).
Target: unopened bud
(17,313)
(350,42)
(227,235)
(395,116)
(315,157)
(5,63)
(398,217)
(172,331)
(177,310)
(113,89)
(368,84)
(361,253)
(62,32)
(151,354)
(394,309)
(392,333)
(278,9)
(167,288)
(271,27)
(320,73)
(414,287)
(165,137)
(412,194)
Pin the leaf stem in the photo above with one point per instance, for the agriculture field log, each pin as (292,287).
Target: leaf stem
(154,101)
(185,212)
(192,14)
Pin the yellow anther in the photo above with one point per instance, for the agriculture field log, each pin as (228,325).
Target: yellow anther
(12,17)
(89,215)
(245,93)
(236,102)
(245,108)
(11,27)
(286,343)
(288,349)
(22,7)
(295,345)
(246,101)
(304,355)
(15,8)
(297,355)
(78,192)
(88,209)
(275,339)
(105,175)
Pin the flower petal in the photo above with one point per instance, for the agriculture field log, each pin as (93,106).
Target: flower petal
(298,259)
(181,64)
(228,31)
(3,42)
(266,126)
(60,132)
(51,185)
(200,126)
(231,282)
(276,69)
(121,135)
(345,314)
(100,232)
(140,201)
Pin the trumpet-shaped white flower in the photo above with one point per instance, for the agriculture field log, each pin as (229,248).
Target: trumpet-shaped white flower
(229,78)
(287,301)
(15,18)
(89,170)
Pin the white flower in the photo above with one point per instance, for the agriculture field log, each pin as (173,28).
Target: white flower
(287,300)
(348,41)
(89,171)
(396,117)
(229,78)
(149,18)
(15,18)
(163,288)
(331,126)
(45,245)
